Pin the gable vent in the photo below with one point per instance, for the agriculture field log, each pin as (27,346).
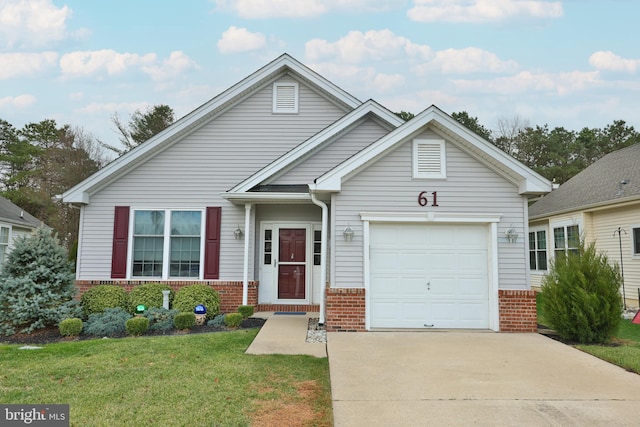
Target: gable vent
(429,159)
(285,98)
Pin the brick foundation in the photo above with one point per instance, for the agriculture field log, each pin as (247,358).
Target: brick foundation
(230,292)
(345,310)
(307,308)
(517,310)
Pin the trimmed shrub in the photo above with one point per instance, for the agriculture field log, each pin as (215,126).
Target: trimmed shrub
(160,319)
(98,299)
(217,321)
(109,323)
(185,320)
(580,296)
(233,320)
(70,327)
(37,285)
(137,326)
(149,294)
(245,311)
(188,297)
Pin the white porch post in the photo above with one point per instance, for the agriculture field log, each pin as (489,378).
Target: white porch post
(323,253)
(245,273)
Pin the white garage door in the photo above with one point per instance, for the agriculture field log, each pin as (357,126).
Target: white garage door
(429,276)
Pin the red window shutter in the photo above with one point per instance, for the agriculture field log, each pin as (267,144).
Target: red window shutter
(120,243)
(212,243)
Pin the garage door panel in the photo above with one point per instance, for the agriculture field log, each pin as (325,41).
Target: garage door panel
(428,274)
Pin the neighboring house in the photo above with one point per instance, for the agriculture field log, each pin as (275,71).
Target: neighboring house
(287,193)
(15,222)
(601,204)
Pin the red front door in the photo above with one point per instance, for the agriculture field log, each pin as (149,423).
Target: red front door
(291,264)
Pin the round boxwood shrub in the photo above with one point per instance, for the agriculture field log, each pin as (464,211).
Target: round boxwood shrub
(149,295)
(137,326)
(580,296)
(109,323)
(188,297)
(233,320)
(245,311)
(101,297)
(70,327)
(185,320)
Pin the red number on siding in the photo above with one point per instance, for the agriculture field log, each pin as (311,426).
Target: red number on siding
(424,201)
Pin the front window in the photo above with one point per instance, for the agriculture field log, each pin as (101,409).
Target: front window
(166,243)
(4,243)
(538,250)
(566,239)
(636,241)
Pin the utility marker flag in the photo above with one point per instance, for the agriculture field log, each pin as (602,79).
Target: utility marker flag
(636,318)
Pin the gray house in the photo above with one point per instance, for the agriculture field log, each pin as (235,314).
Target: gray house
(287,193)
(15,222)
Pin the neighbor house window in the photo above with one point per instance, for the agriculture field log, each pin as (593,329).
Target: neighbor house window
(636,241)
(566,239)
(538,250)
(166,243)
(4,243)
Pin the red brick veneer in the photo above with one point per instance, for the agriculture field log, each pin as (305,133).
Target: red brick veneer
(517,310)
(345,310)
(230,291)
(308,308)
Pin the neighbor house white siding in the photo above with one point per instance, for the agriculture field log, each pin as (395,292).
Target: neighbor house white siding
(192,173)
(388,186)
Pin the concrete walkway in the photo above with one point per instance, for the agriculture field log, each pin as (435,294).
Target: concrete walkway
(474,378)
(285,334)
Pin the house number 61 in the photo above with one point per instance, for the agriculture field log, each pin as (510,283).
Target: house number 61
(423,200)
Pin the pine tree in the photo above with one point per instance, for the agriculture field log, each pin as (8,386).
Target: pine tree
(37,285)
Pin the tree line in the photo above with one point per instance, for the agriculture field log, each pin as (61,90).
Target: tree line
(40,161)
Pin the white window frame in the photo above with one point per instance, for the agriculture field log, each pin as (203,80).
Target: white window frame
(6,245)
(166,250)
(633,243)
(563,224)
(535,230)
(279,110)
(440,143)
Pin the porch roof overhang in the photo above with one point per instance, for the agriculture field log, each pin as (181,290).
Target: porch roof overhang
(266,198)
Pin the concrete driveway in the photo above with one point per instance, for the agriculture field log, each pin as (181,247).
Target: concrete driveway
(474,378)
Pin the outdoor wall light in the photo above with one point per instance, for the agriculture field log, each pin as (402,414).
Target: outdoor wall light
(512,235)
(237,233)
(348,233)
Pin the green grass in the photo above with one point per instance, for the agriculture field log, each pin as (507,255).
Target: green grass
(623,350)
(197,379)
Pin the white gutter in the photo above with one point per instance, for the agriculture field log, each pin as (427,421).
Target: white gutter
(323,253)
(247,234)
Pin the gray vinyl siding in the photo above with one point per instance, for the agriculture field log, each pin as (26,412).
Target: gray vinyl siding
(193,172)
(345,146)
(388,186)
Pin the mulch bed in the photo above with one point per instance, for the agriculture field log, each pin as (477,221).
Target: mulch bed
(52,334)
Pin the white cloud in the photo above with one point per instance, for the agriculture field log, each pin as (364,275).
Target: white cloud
(267,9)
(482,10)
(525,81)
(387,82)
(609,61)
(357,47)
(32,22)
(20,101)
(171,67)
(471,60)
(240,40)
(26,64)
(87,63)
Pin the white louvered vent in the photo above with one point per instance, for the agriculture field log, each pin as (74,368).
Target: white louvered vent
(429,159)
(285,98)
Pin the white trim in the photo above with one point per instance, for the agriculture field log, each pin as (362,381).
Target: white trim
(494,274)
(277,98)
(634,255)
(245,266)
(439,145)
(448,217)
(535,229)
(323,254)
(267,197)
(367,274)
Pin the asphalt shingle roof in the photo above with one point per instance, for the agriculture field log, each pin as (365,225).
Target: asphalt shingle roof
(597,184)
(16,215)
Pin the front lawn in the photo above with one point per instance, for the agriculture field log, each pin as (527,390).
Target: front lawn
(623,350)
(198,379)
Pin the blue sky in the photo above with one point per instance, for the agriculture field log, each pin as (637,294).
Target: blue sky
(563,63)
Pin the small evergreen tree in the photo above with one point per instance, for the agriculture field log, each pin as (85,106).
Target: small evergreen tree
(581,296)
(37,285)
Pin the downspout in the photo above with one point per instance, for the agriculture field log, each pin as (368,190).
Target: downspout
(323,252)
(245,273)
